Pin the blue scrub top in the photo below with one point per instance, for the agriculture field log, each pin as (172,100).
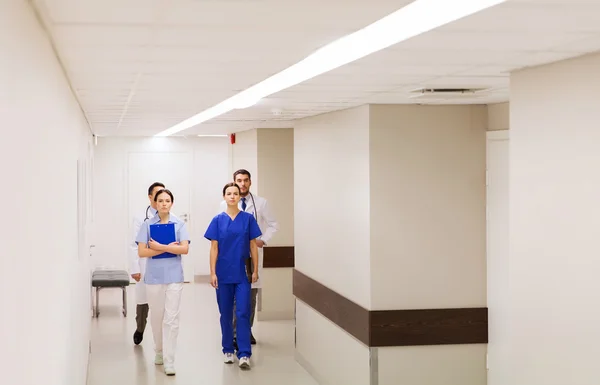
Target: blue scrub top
(163,270)
(233,237)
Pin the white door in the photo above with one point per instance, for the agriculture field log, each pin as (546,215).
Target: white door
(497,255)
(174,170)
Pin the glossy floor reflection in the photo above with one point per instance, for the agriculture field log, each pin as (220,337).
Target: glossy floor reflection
(115,360)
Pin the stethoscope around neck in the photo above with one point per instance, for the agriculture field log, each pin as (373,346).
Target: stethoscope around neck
(254,205)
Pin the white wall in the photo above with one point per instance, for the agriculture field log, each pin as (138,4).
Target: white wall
(275,158)
(327,352)
(45,283)
(331,233)
(398,207)
(210,172)
(268,154)
(427,180)
(331,186)
(554,224)
(498,290)
(498,116)
(497,242)
(427,206)
(244,156)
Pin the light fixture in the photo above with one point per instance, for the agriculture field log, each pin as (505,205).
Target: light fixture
(241,104)
(414,19)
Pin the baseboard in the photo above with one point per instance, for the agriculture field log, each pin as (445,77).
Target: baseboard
(309,368)
(275,315)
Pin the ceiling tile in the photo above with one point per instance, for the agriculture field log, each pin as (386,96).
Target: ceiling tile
(149,64)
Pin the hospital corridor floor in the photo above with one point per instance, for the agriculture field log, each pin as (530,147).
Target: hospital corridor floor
(115,360)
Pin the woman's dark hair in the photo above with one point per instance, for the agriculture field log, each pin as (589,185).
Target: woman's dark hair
(230,185)
(164,191)
(153,186)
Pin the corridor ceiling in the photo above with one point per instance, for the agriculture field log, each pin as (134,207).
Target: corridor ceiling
(141,66)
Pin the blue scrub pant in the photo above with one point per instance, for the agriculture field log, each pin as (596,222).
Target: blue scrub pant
(226,293)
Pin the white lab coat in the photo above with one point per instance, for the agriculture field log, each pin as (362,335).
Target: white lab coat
(266,222)
(137,264)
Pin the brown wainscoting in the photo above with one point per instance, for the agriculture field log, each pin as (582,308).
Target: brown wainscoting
(394,327)
(278,256)
(341,311)
(429,327)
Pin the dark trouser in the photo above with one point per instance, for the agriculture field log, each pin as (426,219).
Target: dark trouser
(253,295)
(227,295)
(141,317)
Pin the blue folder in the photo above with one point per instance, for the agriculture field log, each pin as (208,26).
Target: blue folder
(163,233)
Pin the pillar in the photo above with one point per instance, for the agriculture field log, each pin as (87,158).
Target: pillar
(268,154)
(390,273)
(554,226)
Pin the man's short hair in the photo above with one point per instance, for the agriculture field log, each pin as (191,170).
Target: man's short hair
(242,172)
(153,186)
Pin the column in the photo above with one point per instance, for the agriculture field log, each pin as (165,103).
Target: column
(554,226)
(275,158)
(390,273)
(268,154)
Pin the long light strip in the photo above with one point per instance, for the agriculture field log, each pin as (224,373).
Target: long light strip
(414,19)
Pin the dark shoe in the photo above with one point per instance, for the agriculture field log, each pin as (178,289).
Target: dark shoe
(252,339)
(235,345)
(138,337)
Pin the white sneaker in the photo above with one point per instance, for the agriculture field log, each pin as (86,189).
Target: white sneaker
(169,370)
(158,359)
(228,358)
(245,363)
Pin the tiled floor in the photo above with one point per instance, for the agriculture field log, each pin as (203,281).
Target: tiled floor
(115,360)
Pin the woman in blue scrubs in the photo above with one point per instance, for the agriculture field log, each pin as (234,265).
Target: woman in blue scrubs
(233,235)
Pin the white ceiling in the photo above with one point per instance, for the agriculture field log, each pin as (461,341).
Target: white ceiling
(141,66)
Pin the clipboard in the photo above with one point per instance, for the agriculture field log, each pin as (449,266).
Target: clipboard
(163,233)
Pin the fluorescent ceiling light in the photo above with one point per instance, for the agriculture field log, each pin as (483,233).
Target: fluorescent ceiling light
(245,103)
(412,20)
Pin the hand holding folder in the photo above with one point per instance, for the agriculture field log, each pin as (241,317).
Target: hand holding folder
(163,233)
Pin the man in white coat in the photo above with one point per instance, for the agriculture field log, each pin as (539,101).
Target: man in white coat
(259,207)
(137,267)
